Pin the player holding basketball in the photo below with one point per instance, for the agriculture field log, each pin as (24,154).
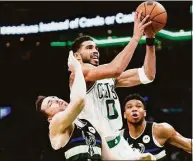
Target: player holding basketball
(80,140)
(76,141)
(147,136)
(102,103)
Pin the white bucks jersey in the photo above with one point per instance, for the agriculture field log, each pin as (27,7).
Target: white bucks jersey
(106,104)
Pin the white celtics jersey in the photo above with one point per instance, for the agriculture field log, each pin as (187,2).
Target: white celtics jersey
(106,104)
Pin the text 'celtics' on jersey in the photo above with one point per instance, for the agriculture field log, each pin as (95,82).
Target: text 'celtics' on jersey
(106,104)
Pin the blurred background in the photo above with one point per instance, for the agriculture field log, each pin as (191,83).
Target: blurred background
(35,38)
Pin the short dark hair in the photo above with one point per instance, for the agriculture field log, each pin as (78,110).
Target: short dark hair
(134,96)
(38,104)
(78,41)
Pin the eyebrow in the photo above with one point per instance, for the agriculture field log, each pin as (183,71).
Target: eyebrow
(86,45)
(136,104)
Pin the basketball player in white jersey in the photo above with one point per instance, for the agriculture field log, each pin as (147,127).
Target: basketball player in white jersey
(78,140)
(102,103)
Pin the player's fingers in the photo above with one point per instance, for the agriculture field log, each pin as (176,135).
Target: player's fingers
(145,19)
(139,15)
(146,24)
(70,66)
(135,16)
(70,54)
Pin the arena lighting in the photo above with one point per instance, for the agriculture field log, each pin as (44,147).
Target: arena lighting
(103,42)
(4,111)
(67,24)
(79,22)
(116,41)
(185,35)
(172,110)
(58,43)
(182,35)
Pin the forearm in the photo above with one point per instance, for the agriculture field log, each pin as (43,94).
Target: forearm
(122,60)
(181,142)
(64,119)
(150,62)
(78,89)
(190,146)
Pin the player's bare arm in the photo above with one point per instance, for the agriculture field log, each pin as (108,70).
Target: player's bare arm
(63,120)
(144,75)
(165,133)
(119,64)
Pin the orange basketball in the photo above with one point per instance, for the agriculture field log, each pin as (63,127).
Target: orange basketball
(158,15)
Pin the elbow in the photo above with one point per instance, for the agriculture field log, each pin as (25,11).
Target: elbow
(151,77)
(116,72)
(150,73)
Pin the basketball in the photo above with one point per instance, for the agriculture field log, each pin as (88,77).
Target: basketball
(157,13)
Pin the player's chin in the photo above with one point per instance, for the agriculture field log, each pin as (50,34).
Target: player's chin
(136,121)
(94,62)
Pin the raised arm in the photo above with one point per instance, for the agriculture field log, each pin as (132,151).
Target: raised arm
(144,75)
(171,136)
(121,61)
(64,119)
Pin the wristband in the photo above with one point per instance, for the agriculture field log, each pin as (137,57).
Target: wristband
(150,41)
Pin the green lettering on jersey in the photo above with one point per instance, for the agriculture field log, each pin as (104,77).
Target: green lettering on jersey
(113,91)
(100,90)
(111,110)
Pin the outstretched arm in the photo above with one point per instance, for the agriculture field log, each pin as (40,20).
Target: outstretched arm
(171,136)
(120,62)
(64,119)
(144,75)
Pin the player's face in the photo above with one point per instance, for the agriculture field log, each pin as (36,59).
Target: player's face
(134,111)
(53,105)
(89,53)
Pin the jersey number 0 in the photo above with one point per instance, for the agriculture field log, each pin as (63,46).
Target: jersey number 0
(111,110)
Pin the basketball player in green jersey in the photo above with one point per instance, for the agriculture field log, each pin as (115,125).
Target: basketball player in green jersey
(102,103)
(78,140)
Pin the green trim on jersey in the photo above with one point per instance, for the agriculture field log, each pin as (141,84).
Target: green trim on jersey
(114,142)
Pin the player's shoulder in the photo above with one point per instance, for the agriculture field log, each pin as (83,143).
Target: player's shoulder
(162,125)
(163,129)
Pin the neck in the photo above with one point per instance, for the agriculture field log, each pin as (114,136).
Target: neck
(136,129)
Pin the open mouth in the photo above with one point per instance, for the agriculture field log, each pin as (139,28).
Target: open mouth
(135,115)
(95,58)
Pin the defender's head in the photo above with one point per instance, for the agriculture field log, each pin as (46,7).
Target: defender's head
(49,106)
(134,106)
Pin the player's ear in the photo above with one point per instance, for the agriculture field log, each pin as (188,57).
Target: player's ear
(145,114)
(78,56)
